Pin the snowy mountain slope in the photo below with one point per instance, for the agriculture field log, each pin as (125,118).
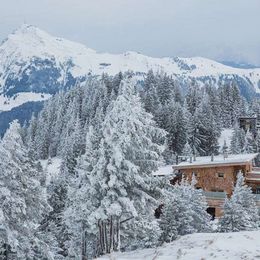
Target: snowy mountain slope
(29,56)
(217,246)
(36,63)
(7,103)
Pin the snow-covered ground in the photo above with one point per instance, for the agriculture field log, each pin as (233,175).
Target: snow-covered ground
(217,246)
(226,135)
(7,103)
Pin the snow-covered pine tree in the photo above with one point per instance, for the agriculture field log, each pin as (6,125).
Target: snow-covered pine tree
(240,211)
(197,205)
(30,137)
(249,145)
(230,102)
(78,205)
(184,211)
(209,130)
(22,195)
(187,151)
(193,97)
(165,88)
(195,130)
(238,140)
(119,185)
(175,127)
(170,217)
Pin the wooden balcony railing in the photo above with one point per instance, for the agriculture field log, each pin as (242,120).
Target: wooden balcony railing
(214,194)
(222,195)
(254,175)
(256,169)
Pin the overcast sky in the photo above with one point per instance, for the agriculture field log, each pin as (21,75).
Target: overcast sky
(218,29)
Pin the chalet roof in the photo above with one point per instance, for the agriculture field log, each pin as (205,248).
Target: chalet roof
(205,161)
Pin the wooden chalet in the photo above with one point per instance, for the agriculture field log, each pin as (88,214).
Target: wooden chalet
(216,176)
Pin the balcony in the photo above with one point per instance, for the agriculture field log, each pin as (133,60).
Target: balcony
(222,195)
(215,195)
(254,175)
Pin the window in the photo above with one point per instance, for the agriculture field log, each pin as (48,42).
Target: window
(221,175)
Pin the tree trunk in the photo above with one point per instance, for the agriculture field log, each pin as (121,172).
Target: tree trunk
(111,234)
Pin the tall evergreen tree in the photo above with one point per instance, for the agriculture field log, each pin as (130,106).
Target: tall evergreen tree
(120,183)
(240,211)
(184,211)
(22,194)
(238,140)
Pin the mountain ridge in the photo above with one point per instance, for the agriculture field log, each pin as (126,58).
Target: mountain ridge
(30,42)
(34,65)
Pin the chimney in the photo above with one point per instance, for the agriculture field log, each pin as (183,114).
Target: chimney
(212,157)
(190,159)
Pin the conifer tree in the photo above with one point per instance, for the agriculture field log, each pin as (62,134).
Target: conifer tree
(240,211)
(238,140)
(119,183)
(175,127)
(249,145)
(22,194)
(187,151)
(184,211)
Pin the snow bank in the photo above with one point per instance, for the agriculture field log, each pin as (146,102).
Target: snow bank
(7,103)
(217,246)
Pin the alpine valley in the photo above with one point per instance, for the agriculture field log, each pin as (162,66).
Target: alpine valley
(35,65)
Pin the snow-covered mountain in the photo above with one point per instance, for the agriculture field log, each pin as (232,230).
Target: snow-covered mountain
(31,60)
(34,65)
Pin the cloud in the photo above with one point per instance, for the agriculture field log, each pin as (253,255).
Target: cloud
(218,29)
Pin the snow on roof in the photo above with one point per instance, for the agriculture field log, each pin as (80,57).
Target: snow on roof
(164,170)
(205,161)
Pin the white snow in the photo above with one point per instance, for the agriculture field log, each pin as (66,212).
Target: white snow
(7,103)
(28,42)
(208,246)
(51,167)
(226,135)
(164,170)
(203,161)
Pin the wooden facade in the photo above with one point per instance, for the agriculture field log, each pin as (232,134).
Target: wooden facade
(217,178)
